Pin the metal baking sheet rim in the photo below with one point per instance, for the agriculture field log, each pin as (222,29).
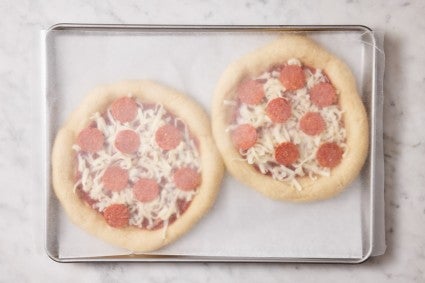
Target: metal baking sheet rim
(192,28)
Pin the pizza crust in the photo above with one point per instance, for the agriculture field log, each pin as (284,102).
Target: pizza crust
(354,118)
(63,165)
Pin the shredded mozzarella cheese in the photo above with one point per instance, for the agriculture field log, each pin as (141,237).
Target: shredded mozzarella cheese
(149,162)
(271,134)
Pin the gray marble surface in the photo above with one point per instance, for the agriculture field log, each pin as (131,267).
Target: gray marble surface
(22,256)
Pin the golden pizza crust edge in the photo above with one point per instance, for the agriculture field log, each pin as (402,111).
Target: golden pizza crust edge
(354,118)
(132,238)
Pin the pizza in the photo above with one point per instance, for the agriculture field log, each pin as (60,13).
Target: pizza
(136,165)
(289,122)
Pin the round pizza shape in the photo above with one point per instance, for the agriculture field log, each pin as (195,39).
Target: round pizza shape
(289,122)
(136,165)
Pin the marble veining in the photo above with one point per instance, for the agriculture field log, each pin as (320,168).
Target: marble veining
(22,257)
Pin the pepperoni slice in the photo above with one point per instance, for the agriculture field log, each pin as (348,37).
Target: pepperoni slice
(278,110)
(329,155)
(117,215)
(312,123)
(286,153)
(250,92)
(292,77)
(124,109)
(127,141)
(244,136)
(146,190)
(186,179)
(90,140)
(115,178)
(168,137)
(323,95)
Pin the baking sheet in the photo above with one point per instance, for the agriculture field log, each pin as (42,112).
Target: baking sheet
(243,224)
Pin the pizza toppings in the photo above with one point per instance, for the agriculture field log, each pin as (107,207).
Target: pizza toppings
(186,179)
(292,77)
(90,140)
(323,94)
(284,134)
(278,110)
(140,169)
(146,190)
(286,153)
(312,123)
(168,137)
(250,92)
(329,155)
(124,109)
(115,178)
(244,136)
(117,215)
(127,141)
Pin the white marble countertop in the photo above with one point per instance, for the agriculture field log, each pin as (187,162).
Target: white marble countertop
(22,256)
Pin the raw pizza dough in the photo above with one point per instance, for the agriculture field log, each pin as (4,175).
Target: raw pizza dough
(354,119)
(64,162)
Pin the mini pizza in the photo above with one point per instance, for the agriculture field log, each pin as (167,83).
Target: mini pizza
(289,122)
(136,165)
